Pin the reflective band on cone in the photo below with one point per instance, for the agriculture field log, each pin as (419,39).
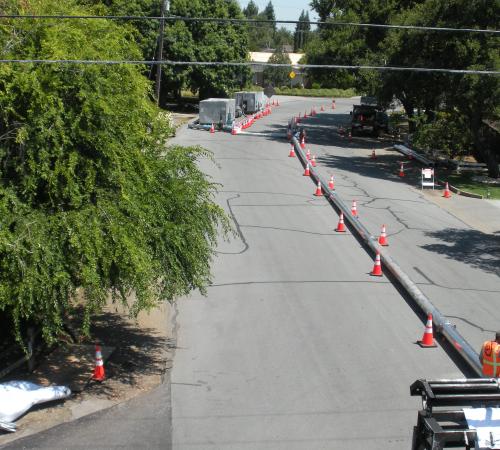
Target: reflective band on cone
(341,227)
(401,170)
(354,209)
(99,365)
(382,240)
(212,129)
(428,338)
(313,161)
(331,186)
(307,173)
(319,191)
(447,193)
(377,267)
(292,152)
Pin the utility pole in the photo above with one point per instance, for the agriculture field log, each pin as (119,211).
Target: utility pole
(164,9)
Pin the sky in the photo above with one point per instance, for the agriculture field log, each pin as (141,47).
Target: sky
(285,9)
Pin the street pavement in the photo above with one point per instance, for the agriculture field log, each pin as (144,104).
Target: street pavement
(296,346)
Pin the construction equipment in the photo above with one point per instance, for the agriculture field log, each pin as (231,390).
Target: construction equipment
(249,102)
(219,111)
(447,405)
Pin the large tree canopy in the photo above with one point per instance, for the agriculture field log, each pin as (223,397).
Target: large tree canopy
(464,99)
(89,198)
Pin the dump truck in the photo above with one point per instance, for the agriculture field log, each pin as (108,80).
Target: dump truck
(369,118)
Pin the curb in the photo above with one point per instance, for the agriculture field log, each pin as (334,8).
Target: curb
(460,192)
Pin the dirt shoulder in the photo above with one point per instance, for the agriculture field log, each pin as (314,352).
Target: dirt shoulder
(137,354)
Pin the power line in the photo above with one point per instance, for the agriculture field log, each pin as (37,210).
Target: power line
(250,63)
(255,21)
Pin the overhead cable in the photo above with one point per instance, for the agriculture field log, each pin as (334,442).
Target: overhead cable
(255,21)
(250,63)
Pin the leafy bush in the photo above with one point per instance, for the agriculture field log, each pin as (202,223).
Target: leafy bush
(90,198)
(448,133)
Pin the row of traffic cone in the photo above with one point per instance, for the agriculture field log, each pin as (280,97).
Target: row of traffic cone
(428,337)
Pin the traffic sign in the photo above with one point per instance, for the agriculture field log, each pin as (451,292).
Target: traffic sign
(292,74)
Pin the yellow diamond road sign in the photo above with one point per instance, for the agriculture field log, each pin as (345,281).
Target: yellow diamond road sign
(292,74)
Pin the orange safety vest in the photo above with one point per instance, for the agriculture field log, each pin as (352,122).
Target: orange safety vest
(491,359)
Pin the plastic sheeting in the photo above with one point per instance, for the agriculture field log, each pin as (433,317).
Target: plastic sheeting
(17,397)
(486,422)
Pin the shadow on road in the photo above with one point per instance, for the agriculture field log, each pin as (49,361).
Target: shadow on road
(477,249)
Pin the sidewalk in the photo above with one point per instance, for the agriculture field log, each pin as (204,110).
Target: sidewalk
(141,353)
(482,215)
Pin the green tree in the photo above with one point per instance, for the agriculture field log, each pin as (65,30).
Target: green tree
(277,76)
(251,11)
(269,14)
(207,41)
(302,32)
(90,200)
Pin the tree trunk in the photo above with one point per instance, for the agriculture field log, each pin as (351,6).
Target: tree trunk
(485,145)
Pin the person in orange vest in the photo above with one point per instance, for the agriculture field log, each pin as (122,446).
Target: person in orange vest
(490,357)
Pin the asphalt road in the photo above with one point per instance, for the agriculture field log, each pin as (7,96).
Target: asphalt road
(296,346)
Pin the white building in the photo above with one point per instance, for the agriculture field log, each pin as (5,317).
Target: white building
(263,57)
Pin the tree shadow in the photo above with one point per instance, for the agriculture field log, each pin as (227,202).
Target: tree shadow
(134,352)
(475,248)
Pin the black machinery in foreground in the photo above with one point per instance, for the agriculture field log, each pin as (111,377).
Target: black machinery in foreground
(441,423)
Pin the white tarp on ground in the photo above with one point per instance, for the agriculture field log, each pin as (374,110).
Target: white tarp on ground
(486,422)
(17,397)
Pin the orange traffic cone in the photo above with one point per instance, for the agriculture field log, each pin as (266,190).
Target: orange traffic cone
(382,240)
(401,170)
(350,136)
(341,227)
(322,109)
(354,209)
(233,129)
(331,186)
(277,102)
(374,156)
(307,172)
(428,338)
(312,113)
(273,102)
(212,129)
(377,267)
(447,193)
(303,143)
(319,191)
(333,104)
(99,365)
(292,152)
(308,155)
(313,161)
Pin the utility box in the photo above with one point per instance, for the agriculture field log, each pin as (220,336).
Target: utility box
(249,102)
(219,111)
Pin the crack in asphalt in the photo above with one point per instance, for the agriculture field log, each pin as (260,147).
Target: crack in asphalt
(472,324)
(294,230)
(238,229)
(240,283)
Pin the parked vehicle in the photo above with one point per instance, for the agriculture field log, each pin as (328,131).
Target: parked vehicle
(369,118)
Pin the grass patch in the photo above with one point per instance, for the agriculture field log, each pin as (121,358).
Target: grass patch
(316,92)
(464,182)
